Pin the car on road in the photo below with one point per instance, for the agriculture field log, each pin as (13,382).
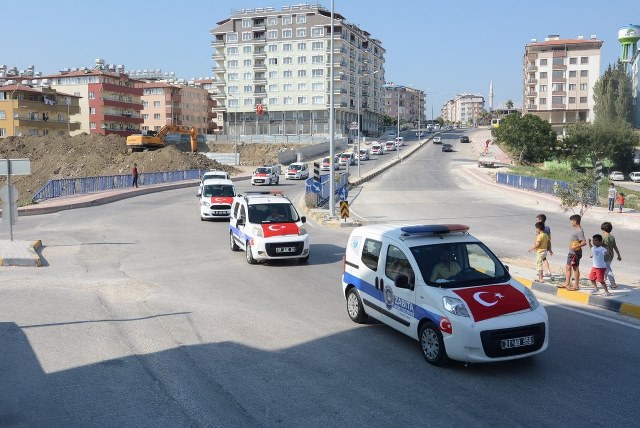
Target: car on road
(399,141)
(297,171)
(616,176)
(437,139)
(446,147)
(364,155)
(389,146)
(224,175)
(634,176)
(347,159)
(464,139)
(325,165)
(377,149)
(267,227)
(216,198)
(444,288)
(265,175)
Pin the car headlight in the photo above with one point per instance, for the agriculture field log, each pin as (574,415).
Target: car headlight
(257,232)
(204,203)
(531,298)
(302,231)
(455,306)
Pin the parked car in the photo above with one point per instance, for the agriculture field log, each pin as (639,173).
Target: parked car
(616,176)
(634,176)
(465,139)
(446,147)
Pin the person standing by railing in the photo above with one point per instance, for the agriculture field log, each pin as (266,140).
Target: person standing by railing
(134,175)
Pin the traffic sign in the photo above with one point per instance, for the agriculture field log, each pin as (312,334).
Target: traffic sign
(344,209)
(316,186)
(9,204)
(343,193)
(353,126)
(18,166)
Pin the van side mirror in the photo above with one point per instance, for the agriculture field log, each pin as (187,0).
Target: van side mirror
(402,281)
(303,219)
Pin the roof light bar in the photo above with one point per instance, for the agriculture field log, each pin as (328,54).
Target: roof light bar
(433,229)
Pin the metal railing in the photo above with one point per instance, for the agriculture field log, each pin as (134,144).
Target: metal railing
(321,198)
(83,185)
(541,185)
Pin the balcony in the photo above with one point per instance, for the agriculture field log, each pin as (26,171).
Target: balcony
(558,93)
(259,65)
(219,69)
(558,67)
(532,107)
(532,68)
(217,43)
(532,80)
(218,56)
(531,94)
(260,78)
(557,54)
(558,106)
(259,53)
(558,79)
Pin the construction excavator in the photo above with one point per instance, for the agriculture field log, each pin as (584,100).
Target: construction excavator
(138,143)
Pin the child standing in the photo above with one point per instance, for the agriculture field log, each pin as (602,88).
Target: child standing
(599,265)
(612,196)
(540,246)
(609,242)
(621,201)
(547,230)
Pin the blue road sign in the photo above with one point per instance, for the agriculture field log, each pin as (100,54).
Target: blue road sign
(316,186)
(343,193)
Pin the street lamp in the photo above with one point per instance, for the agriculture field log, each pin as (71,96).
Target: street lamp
(359,103)
(332,184)
(398,124)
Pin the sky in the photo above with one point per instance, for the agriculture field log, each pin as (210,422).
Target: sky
(442,47)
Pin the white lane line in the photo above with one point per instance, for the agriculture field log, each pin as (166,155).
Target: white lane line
(602,317)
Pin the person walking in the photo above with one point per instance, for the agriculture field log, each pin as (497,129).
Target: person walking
(609,242)
(612,196)
(134,175)
(547,230)
(540,246)
(621,201)
(598,253)
(576,242)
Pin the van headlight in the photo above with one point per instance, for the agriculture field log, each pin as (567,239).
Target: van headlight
(257,232)
(531,298)
(302,231)
(455,306)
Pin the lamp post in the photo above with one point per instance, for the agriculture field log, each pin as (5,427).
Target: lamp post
(332,184)
(359,103)
(398,124)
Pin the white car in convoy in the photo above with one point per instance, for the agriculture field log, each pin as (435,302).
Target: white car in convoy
(297,171)
(216,198)
(267,227)
(377,149)
(265,175)
(437,139)
(364,155)
(444,288)
(616,176)
(389,146)
(399,141)
(347,159)
(224,175)
(325,165)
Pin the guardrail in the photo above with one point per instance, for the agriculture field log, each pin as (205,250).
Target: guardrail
(82,185)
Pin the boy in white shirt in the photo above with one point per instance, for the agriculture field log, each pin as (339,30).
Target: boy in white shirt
(599,264)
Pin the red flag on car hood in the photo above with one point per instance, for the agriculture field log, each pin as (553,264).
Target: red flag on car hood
(493,300)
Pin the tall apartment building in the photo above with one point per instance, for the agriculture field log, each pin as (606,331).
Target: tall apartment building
(407,101)
(463,109)
(170,104)
(280,60)
(214,120)
(32,110)
(559,75)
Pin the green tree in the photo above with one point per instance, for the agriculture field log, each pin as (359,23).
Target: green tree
(509,104)
(386,120)
(612,94)
(440,120)
(582,194)
(531,138)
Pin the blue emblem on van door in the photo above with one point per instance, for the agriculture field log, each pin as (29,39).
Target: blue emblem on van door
(388,297)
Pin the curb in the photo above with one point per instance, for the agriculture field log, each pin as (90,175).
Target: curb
(585,299)
(33,261)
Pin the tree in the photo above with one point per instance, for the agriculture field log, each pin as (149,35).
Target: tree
(386,120)
(530,137)
(612,94)
(581,194)
(509,104)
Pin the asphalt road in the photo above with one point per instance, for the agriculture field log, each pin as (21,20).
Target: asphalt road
(142,316)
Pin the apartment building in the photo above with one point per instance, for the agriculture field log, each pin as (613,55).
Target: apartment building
(272,70)
(214,120)
(463,109)
(404,102)
(559,75)
(32,110)
(170,104)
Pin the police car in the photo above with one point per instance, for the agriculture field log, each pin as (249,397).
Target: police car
(216,198)
(267,227)
(444,288)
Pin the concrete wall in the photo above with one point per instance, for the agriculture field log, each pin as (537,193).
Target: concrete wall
(310,152)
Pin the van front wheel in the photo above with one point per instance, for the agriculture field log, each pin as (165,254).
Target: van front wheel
(355,308)
(432,345)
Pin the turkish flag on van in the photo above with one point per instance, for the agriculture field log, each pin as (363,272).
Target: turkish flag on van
(493,300)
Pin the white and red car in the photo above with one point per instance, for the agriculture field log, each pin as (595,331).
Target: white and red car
(265,175)
(297,171)
(216,198)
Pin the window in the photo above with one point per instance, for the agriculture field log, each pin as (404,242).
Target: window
(583,86)
(156,116)
(558,60)
(543,101)
(317,72)
(287,47)
(302,46)
(3,114)
(272,34)
(145,104)
(288,100)
(583,99)
(247,36)
(145,117)
(246,23)
(246,63)
(273,101)
(558,87)
(232,64)
(371,253)
(287,87)
(232,50)
(317,32)
(301,32)
(273,47)
(272,20)
(248,102)
(155,128)
(246,49)
(233,102)
(584,73)
(92,125)
(302,86)
(286,34)
(302,73)
(543,74)
(287,73)
(317,87)
(301,19)
(557,100)
(232,37)
(273,61)
(247,76)
(398,264)
(232,76)
(543,88)
(156,103)
(287,19)
(233,89)
(302,100)
(273,88)
(273,75)
(318,99)
(302,60)
(572,73)
(558,74)
(317,59)
(92,95)
(573,60)
(287,60)
(543,61)
(247,88)
(572,86)
(92,110)
(584,60)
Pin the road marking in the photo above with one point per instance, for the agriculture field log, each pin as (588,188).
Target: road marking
(602,317)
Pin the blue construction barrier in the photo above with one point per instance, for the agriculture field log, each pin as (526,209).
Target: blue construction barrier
(541,185)
(82,185)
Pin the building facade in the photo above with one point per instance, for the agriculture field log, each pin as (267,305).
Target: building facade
(170,104)
(38,111)
(214,120)
(463,109)
(404,102)
(280,60)
(559,75)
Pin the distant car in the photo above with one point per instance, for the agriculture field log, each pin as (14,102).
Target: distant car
(390,146)
(377,149)
(446,147)
(616,176)
(437,140)
(325,165)
(634,176)
(297,171)
(213,174)
(464,139)
(265,175)
(364,154)
(347,159)
(400,140)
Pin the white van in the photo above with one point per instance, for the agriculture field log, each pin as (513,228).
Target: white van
(216,198)
(444,288)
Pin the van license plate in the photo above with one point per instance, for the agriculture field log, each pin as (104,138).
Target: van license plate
(517,342)
(285,249)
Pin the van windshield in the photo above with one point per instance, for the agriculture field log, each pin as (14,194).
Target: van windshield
(220,190)
(273,213)
(456,265)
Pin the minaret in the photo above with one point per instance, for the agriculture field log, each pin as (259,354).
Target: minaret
(491,96)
